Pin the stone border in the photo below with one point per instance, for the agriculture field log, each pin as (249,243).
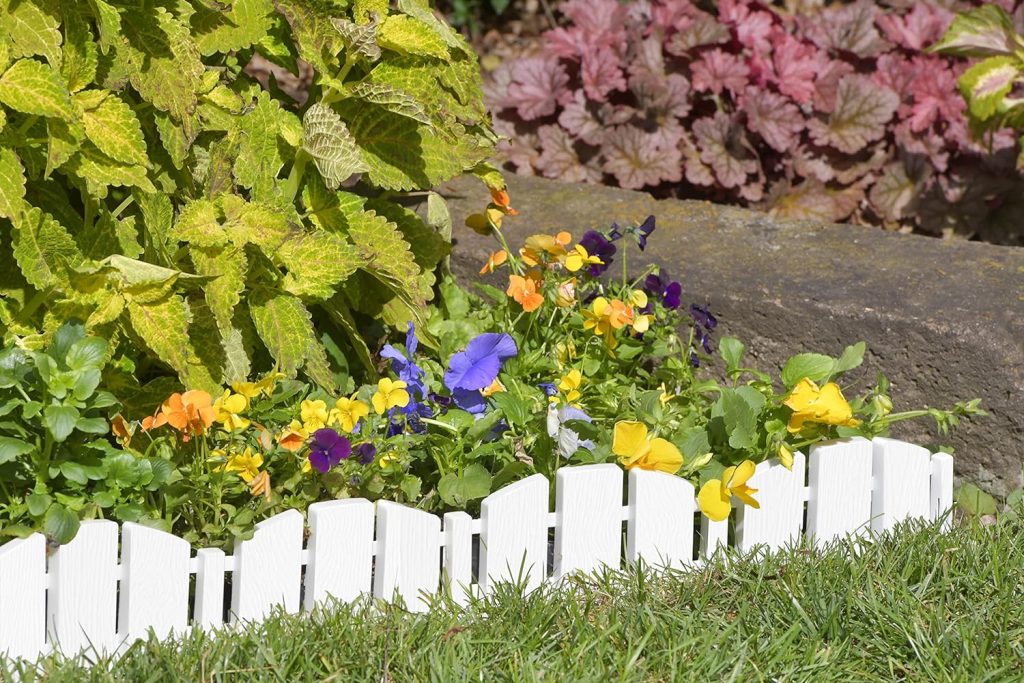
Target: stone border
(943,318)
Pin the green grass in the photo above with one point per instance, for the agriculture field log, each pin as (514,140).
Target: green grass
(919,606)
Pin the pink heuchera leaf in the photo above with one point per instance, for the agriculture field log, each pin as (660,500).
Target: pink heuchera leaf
(560,159)
(753,27)
(796,65)
(601,74)
(813,200)
(697,172)
(601,22)
(724,148)
(637,161)
(849,28)
(537,86)
(924,145)
(776,119)
(935,93)
(861,112)
(522,151)
(892,193)
(920,27)
(673,14)
(700,31)
(827,83)
(648,59)
(578,119)
(717,70)
(895,72)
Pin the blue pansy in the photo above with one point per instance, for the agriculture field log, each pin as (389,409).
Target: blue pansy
(403,365)
(478,366)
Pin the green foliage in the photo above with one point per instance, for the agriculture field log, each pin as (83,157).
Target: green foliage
(989,86)
(151,188)
(55,464)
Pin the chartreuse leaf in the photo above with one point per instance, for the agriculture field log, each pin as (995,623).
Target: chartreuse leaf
(428,246)
(112,126)
(32,31)
(985,31)
(406,35)
(12,184)
(283,323)
(227,266)
(448,89)
(310,20)
(108,20)
(258,161)
(317,263)
(986,84)
(100,172)
(32,87)
(245,23)
(65,138)
(80,61)
(391,99)
(329,143)
(43,248)
(163,325)
(362,9)
(421,10)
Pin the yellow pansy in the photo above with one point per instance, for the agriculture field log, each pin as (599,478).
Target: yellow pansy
(577,258)
(826,405)
(484,223)
(314,414)
(565,352)
(786,457)
(253,389)
(390,394)
(715,497)
(349,411)
(228,409)
(638,298)
(494,388)
(247,464)
(388,460)
(631,443)
(642,323)
(570,383)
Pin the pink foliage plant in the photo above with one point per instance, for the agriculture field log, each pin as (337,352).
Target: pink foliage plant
(835,114)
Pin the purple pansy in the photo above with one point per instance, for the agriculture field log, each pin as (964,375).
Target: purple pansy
(366,452)
(327,448)
(668,291)
(403,365)
(615,232)
(597,245)
(643,231)
(702,314)
(478,366)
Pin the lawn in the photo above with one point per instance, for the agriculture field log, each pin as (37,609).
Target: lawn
(917,606)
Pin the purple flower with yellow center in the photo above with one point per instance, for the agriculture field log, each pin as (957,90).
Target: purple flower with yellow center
(327,448)
(404,365)
(669,291)
(366,452)
(598,245)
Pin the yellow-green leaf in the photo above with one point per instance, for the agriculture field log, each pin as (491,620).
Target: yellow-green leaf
(32,87)
(317,262)
(227,266)
(12,184)
(219,30)
(163,326)
(284,325)
(259,160)
(43,249)
(112,126)
(329,143)
(32,30)
(80,61)
(100,171)
(409,36)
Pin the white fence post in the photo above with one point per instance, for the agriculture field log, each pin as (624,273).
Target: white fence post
(588,509)
(902,483)
(340,551)
(514,534)
(408,554)
(942,489)
(780,519)
(839,501)
(154,590)
(82,605)
(209,607)
(660,528)
(458,555)
(23,597)
(268,568)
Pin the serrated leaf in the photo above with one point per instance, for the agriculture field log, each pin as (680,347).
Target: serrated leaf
(392,99)
(259,160)
(360,38)
(199,224)
(449,90)
(329,143)
(985,31)
(284,325)
(428,246)
(217,30)
(163,326)
(112,126)
(420,10)
(263,225)
(100,171)
(227,265)
(405,35)
(32,31)
(108,20)
(65,139)
(32,87)
(42,248)
(317,41)
(362,9)
(893,192)
(173,138)
(12,184)
(277,45)
(861,111)
(162,62)
(986,84)
(78,67)
(317,263)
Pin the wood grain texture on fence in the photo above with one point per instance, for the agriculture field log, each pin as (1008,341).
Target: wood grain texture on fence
(110,586)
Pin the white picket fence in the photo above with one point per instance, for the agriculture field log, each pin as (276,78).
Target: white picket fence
(81,597)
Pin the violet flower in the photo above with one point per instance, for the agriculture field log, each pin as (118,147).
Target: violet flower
(327,448)
(366,452)
(597,245)
(403,365)
(478,366)
(643,231)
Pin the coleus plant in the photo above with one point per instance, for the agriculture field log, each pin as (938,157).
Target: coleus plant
(154,190)
(837,113)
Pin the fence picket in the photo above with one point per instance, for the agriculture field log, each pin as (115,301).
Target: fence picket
(268,568)
(713,536)
(209,608)
(840,490)
(588,508)
(81,607)
(902,483)
(23,597)
(154,590)
(514,534)
(458,555)
(660,527)
(340,551)
(408,554)
(942,489)
(779,520)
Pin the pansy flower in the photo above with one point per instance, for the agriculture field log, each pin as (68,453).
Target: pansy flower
(293,437)
(495,259)
(669,291)
(596,244)
(643,231)
(390,394)
(366,452)
(826,405)
(328,448)
(635,449)
(246,464)
(523,291)
(715,497)
(537,246)
(578,257)
(478,366)
(570,383)
(501,200)
(568,440)
(191,413)
(229,408)
(565,295)
(403,364)
(349,411)
(314,414)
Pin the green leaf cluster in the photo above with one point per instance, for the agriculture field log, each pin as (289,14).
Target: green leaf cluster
(990,87)
(202,221)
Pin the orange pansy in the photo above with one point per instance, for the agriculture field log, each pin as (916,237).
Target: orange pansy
(493,261)
(524,291)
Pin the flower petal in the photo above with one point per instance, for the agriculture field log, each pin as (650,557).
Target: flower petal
(629,440)
(713,500)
